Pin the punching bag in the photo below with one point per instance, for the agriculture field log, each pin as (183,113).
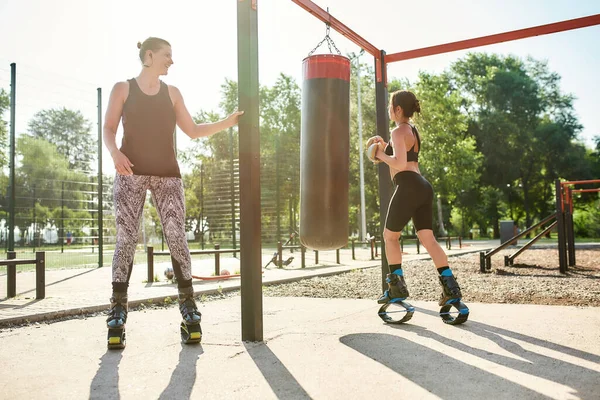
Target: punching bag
(324,152)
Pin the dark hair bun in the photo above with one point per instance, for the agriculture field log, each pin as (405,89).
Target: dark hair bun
(139,45)
(417,106)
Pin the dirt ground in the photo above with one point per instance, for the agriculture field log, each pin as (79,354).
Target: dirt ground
(533,279)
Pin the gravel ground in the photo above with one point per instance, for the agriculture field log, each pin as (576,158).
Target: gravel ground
(534,280)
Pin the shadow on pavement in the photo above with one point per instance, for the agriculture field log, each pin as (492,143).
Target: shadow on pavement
(184,375)
(441,375)
(580,378)
(105,384)
(282,382)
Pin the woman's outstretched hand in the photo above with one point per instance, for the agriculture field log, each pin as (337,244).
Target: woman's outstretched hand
(234,117)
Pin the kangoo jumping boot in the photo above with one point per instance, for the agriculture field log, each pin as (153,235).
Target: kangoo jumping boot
(397,288)
(117,317)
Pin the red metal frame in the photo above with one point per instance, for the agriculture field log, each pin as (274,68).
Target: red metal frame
(355,38)
(580,182)
(326,17)
(497,38)
(585,190)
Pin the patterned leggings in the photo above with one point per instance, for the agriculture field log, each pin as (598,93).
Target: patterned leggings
(129,198)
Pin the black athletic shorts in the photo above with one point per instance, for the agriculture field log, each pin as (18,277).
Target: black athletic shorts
(412,198)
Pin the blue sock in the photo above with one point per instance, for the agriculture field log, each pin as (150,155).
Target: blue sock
(445,271)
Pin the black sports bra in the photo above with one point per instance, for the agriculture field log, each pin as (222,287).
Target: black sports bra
(411,155)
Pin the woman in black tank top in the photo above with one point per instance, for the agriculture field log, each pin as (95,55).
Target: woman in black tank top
(149,110)
(412,199)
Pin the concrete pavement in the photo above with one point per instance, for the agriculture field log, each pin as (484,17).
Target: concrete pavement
(313,348)
(80,291)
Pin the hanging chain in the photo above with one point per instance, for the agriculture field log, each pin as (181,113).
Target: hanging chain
(329,43)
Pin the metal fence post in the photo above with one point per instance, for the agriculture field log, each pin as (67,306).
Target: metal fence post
(100,188)
(150,257)
(279,255)
(11,274)
(40,274)
(217,260)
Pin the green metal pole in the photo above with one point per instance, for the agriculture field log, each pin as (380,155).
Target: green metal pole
(202,205)
(11,202)
(249,145)
(383,127)
(100,188)
(62,217)
(232,189)
(34,224)
(278,185)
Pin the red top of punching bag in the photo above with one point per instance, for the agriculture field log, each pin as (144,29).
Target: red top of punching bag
(326,66)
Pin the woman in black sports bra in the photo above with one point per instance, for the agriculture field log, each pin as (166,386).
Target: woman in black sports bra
(412,198)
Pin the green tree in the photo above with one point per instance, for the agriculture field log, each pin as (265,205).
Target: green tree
(45,180)
(523,125)
(70,132)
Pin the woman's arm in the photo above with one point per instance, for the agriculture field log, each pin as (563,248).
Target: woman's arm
(398,160)
(117,98)
(192,129)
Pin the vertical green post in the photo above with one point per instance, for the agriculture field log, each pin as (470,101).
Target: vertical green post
(278,184)
(232,189)
(100,188)
(383,126)
(249,145)
(34,221)
(62,217)
(11,201)
(560,228)
(201,206)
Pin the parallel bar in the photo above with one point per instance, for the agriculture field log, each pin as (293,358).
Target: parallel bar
(249,165)
(197,252)
(100,202)
(497,38)
(326,17)
(383,125)
(516,237)
(530,243)
(17,261)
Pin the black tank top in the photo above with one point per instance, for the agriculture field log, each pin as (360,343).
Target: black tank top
(148,132)
(411,155)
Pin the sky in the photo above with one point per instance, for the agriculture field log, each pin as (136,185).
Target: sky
(66,49)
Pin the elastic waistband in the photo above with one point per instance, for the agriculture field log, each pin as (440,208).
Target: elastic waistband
(406,175)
